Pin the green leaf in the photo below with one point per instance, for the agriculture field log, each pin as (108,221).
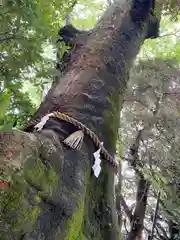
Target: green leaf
(6,127)
(4,104)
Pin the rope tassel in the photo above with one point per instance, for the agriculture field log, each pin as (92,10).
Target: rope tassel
(75,140)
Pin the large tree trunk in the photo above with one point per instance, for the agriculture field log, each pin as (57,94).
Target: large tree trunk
(76,205)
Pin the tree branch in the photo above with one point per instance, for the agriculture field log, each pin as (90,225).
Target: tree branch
(170,34)
(126,209)
(137,220)
(160,228)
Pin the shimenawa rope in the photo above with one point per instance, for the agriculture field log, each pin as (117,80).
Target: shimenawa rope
(75,140)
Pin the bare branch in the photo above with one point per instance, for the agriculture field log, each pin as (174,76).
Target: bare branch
(126,208)
(68,19)
(159,227)
(109,2)
(170,34)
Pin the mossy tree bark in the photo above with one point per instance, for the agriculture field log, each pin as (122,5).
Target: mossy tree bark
(55,191)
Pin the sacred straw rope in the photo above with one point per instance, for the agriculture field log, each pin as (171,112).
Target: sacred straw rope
(85,130)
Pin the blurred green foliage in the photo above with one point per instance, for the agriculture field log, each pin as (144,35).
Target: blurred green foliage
(28,34)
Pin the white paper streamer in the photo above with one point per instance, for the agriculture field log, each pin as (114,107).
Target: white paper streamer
(96,167)
(43,121)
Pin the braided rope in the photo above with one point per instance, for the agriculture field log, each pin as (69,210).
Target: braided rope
(86,131)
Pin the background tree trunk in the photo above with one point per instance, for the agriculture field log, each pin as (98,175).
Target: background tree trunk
(91,91)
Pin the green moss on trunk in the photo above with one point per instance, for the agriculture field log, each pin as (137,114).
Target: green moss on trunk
(111,116)
(38,175)
(19,204)
(75,224)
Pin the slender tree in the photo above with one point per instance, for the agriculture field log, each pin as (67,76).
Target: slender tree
(53,194)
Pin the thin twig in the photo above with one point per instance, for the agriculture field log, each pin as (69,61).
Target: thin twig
(170,34)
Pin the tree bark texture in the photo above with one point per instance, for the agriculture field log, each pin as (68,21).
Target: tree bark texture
(56,187)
